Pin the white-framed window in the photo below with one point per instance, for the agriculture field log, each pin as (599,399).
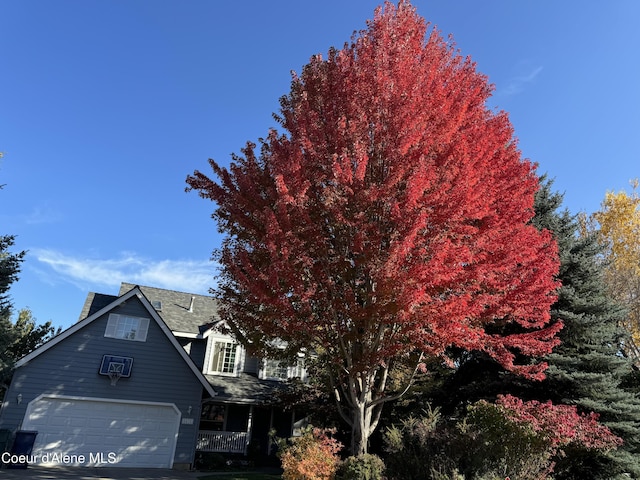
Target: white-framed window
(275,369)
(224,357)
(126,327)
(279,370)
(298,370)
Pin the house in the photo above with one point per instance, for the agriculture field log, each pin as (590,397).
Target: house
(144,379)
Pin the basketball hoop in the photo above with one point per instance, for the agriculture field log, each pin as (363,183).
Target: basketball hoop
(114,377)
(115,367)
(115,372)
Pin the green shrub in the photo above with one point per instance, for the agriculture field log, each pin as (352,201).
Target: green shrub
(485,445)
(362,467)
(511,438)
(498,446)
(210,461)
(422,448)
(452,475)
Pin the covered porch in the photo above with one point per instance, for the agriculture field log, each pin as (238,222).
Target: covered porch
(242,429)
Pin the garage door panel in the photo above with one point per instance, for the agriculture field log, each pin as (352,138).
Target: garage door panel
(142,435)
(78,422)
(50,441)
(57,421)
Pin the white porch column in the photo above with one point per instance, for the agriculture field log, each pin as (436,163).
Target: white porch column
(249,428)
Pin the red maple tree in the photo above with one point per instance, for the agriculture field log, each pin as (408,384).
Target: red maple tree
(390,220)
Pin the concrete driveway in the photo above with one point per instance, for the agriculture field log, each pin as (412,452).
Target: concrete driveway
(102,473)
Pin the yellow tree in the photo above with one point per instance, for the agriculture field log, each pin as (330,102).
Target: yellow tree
(618,226)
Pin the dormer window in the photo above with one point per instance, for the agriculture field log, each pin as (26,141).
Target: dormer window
(125,327)
(275,369)
(224,357)
(279,370)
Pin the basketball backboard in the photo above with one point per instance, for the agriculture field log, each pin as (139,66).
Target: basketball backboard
(116,364)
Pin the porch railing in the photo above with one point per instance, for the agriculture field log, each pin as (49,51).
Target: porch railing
(227,442)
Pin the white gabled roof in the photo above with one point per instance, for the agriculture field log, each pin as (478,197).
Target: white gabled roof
(135,291)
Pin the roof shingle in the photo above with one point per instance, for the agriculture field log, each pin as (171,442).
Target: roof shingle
(181,311)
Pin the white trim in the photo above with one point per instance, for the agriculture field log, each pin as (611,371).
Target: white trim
(185,334)
(117,302)
(204,334)
(74,328)
(209,352)
(207,332)
(262,373)
(102,399)
(292,369)
(250,425)
(139,334)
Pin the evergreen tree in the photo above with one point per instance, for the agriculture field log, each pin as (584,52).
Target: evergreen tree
(9,269)
(587,369)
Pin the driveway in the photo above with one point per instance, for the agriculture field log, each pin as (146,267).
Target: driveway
(102,473)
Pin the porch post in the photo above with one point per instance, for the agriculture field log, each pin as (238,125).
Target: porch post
(270,444)
(249,429)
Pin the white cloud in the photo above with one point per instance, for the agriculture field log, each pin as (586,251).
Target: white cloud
(42,214)
(517,84)
(194,276)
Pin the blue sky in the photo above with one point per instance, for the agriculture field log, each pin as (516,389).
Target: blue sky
(107,106)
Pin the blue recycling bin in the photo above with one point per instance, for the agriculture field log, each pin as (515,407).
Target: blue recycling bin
(22,446)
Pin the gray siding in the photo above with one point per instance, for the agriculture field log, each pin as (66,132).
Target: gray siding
(252,365)
(198,349)
(70,368)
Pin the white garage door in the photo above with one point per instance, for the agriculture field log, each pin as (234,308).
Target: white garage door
(102,432)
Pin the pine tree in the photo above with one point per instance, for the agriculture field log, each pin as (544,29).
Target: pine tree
(9,269)
(587,369)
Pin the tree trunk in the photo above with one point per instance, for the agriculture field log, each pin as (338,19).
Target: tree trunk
(360,398)
(360,429)
(364,411)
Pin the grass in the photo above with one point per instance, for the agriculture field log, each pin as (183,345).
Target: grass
(241,476)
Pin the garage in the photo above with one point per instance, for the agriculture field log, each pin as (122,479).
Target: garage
(84,431)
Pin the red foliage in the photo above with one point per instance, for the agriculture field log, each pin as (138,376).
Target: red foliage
(312,456)
(561,424)
(393,216)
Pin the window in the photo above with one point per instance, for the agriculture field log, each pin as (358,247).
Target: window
(212,417)
(279,370)
(298,370)
(127,328)
(275,369)
(223,359)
